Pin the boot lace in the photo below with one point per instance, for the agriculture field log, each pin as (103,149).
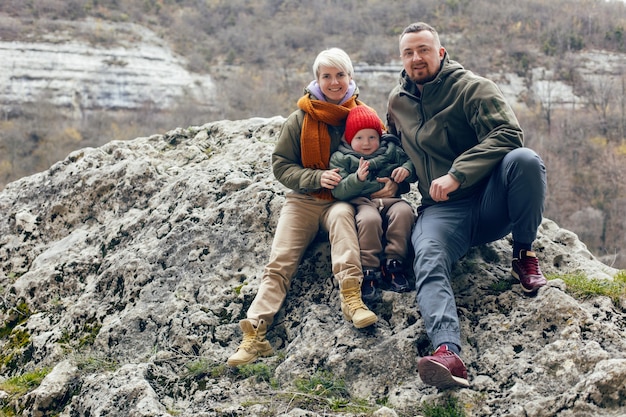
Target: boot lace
(530,265)
(353,299)
(248,341)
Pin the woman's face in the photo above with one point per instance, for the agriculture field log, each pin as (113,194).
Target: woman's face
(334,83)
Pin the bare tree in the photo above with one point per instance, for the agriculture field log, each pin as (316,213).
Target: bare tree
(600,93)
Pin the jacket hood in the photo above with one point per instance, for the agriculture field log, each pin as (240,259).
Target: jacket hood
(314,90)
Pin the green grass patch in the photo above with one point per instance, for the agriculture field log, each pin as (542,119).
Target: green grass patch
(238,288)
(580,286)
(17,387)
(16,351)
(323,390)
(17,315)
(444,407)
(198,368)
(77,340)
(95,363)
(259,370)
(21,384)
(202,367)
(322,383)
(501,285)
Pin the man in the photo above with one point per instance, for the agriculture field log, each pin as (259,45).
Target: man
(477,181)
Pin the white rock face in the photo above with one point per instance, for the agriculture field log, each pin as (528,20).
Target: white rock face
(75,74)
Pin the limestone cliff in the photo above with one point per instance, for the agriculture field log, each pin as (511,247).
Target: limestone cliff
(125,270)
(129,67)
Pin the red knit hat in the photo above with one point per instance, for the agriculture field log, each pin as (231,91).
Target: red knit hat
(362,117)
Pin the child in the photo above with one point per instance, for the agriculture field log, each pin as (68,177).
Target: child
(383,224)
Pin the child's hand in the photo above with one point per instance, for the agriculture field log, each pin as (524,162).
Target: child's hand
(364,169)
(399,174)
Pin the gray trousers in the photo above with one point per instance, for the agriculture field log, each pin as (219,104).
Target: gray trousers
(512,202)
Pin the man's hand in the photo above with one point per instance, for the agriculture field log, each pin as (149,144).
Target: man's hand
(330,178)
(442,186)
(388,191)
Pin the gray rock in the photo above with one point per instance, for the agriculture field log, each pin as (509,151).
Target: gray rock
(53,389)
(129,266)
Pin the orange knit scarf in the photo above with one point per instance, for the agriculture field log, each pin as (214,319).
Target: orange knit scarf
(314,138)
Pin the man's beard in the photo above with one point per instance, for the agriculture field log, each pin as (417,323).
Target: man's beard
(424,80)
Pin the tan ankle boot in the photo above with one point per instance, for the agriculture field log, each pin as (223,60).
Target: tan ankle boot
(352,305)
(253,344)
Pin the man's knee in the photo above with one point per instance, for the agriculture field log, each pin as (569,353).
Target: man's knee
(428,248)
(525,157)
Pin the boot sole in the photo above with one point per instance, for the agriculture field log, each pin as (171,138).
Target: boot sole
(263,353)
(364,323)
(526,290)
(437,375)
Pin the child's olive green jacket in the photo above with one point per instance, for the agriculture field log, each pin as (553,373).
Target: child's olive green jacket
(382,163)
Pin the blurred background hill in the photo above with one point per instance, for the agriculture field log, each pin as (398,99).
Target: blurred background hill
(163,64)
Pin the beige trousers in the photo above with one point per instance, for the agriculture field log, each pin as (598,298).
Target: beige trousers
(300,219)
(384,228)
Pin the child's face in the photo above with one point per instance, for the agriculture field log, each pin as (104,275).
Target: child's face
(366,141)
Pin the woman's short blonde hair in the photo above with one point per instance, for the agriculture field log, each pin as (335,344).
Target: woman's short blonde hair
(335,58)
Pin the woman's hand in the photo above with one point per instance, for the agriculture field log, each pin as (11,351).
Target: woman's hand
(388,191)
(330,178)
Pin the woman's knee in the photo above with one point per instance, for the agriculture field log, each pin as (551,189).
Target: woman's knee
(339,219)
(342,209)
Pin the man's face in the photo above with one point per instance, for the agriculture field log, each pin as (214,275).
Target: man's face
(421,56)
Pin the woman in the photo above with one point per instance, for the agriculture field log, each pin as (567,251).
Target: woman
(300,161)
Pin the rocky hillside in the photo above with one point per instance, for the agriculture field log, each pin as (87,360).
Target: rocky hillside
(129,67)
(125,270)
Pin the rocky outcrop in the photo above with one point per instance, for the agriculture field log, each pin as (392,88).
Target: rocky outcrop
(129,68)
(125,270)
